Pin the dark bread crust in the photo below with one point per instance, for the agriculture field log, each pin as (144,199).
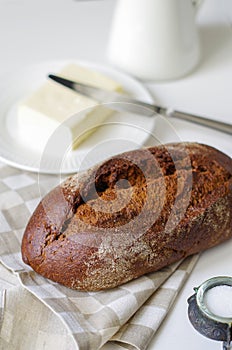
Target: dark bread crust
(133,214)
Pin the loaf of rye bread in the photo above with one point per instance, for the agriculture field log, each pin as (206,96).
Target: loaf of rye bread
(133,214)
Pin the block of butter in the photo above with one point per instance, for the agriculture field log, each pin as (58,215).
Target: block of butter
(55,107)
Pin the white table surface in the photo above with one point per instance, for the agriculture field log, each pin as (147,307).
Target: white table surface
(33,31)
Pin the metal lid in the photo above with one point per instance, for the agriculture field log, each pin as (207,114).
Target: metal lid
(200,294)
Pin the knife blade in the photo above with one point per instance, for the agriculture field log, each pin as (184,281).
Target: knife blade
(120,102)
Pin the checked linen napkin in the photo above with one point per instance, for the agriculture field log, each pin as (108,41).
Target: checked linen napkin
(125,317)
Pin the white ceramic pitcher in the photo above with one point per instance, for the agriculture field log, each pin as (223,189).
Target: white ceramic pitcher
(155,39)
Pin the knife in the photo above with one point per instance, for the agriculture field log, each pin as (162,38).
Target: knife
(120,102)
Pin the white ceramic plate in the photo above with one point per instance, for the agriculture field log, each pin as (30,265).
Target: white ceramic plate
(120,132)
